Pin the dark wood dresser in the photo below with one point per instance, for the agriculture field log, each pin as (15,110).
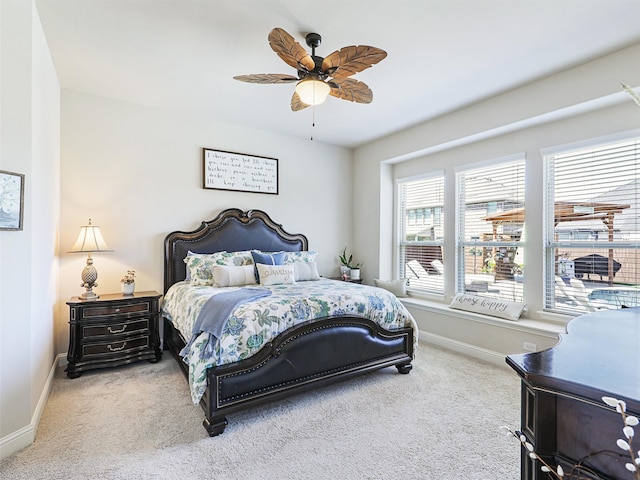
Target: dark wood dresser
(112,330)
(563,414)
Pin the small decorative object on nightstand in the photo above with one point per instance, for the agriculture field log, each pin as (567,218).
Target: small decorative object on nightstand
(349,269)
(113,330)
(128,283)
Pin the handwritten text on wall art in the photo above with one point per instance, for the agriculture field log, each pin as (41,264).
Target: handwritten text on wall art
(240,172)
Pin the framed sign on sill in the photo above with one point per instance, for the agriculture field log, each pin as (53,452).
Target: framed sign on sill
(11,200)
(239,172)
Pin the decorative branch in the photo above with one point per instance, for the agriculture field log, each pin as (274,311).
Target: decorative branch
(632,93)
(626,444)
(557,473)
(629,422)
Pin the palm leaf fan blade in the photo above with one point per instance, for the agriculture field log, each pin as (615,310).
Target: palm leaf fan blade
(289,50)
(350,60)
(266,78)
(296,103)
(352,90)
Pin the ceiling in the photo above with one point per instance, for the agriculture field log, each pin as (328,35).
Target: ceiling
(181,55)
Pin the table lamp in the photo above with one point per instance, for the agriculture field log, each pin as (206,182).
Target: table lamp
(89,240)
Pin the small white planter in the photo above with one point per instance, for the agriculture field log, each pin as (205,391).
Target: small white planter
(355,274)
(128,288)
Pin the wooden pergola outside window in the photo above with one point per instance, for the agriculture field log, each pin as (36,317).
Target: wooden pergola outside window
(568,212)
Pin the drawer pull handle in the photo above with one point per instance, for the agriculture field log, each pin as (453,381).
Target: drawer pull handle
(117,310)
(111,349)
(111,330)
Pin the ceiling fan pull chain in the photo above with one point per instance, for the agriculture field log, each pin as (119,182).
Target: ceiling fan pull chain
(313,120)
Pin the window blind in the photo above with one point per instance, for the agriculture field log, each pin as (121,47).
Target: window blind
(421,232)
(490,207)
(592,227)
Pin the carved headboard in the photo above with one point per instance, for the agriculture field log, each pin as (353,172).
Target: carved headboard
(232,230)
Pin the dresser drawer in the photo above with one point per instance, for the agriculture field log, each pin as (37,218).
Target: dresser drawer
(115,346)
(119,309)
(121,328)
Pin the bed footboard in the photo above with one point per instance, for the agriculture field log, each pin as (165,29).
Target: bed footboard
(304,357)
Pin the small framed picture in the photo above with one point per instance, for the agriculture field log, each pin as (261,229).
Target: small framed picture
(11,200)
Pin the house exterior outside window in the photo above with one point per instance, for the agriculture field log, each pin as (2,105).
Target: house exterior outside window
(490,229)
(592,226)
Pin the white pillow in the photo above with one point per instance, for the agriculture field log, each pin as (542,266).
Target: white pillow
(227,276)
(305,271)
(276,274)
(397,287)
(495,307)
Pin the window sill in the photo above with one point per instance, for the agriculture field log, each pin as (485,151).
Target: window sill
(551,327)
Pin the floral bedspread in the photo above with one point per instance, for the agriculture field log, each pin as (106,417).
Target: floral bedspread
(253,324)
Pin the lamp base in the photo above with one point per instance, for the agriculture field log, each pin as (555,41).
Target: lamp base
(89,296)
(89,277)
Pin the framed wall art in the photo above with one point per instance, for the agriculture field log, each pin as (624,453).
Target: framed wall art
(11,200)
(239,172)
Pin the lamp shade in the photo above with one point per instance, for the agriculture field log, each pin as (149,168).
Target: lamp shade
(90,240)
(312,91)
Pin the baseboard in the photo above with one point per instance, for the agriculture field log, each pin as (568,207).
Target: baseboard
(25,436)
(464,348)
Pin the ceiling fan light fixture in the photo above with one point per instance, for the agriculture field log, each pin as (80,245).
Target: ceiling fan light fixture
(312,91)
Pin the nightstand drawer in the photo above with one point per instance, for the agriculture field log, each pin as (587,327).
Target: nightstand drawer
(107,310)
(122,328)
(116,346)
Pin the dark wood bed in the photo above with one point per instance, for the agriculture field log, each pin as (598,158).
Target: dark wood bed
(306,356)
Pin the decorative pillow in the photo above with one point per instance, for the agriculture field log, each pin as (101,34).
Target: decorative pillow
(224,276)
(276,274)
(266,258)
(495,307)
(199,268)
(397,287)
(191,254)
(306,257)
(305,271)
(237,259)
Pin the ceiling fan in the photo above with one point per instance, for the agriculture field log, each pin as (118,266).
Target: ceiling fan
(318,76)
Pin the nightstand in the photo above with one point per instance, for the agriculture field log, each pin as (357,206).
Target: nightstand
(350,280)
(112,330)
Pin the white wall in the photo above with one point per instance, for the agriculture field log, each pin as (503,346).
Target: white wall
(29,139)
(580,103)
(137,172)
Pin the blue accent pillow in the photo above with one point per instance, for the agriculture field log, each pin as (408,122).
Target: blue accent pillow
(273,258)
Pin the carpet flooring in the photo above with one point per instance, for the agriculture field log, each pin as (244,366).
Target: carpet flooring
(137,422)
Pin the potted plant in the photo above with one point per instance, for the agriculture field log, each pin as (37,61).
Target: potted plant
(345,262)
(354,272)
(128,282)
(518,272)
(348,269)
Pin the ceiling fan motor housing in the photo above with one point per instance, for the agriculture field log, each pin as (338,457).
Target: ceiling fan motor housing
(314,40)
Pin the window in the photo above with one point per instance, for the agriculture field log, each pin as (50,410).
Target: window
(491,228)
(592,227)
(421,232)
